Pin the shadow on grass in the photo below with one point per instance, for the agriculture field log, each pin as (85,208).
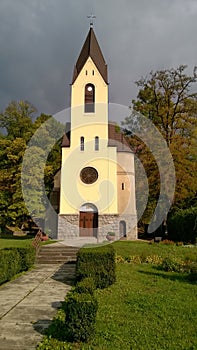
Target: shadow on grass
(173,276)
(18,238)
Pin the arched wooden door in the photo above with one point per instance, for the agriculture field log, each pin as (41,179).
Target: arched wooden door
(88,221)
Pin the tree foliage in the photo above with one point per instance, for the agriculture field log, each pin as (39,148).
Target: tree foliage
(18,125)
(168,99)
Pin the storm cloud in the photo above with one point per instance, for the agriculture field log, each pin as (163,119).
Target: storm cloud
(40,41)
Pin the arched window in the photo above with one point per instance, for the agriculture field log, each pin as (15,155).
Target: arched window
(89,98)
(82,143)
(96,143)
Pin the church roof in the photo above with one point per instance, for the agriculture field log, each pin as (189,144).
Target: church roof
(115,135)
(91,49)
(117,138)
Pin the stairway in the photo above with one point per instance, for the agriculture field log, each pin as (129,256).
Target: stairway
(56,254)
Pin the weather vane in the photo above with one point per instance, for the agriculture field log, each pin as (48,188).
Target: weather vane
(91,18)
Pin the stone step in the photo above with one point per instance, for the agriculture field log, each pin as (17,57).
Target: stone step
(54,262)
(56,254)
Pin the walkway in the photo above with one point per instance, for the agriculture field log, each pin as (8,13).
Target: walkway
(28,303)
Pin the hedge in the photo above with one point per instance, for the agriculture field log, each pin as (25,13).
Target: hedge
(98,263)
(87,285)
(15,260)
(80,310)
(182,225)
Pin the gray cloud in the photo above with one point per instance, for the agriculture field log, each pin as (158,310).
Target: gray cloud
(40,41)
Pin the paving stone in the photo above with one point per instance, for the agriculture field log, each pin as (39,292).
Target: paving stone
(28,304)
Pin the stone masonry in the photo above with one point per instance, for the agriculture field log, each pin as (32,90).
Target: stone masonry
(68,226)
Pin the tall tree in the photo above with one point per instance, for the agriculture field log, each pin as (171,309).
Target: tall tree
(17,120)
(44,159)
(168,99)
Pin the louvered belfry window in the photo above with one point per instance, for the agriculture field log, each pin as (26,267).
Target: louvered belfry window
(89,98)
(82,143)
(96,143)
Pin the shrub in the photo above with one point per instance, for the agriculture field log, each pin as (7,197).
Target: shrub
(57,327)
(167,242)
(98,263)
(191,268)
(10,263)
(53,344)
(119,259)
(27,257)
(171,265)
(80,310)
(134,259)
(15,260)
(154,259)
(87,285)
(182,225)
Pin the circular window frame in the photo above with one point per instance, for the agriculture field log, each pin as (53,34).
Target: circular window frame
(89,175)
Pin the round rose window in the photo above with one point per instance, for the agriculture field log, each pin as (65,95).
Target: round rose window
(89,175)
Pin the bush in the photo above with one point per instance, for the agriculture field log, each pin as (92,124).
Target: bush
(80,310)
(27,257)
(15,260)
(167,242)
(182,225)
(98,263)
(53,344)
(171,265)
(87,285)
(9,264)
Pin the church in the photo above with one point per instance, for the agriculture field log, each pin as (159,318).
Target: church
(96,182)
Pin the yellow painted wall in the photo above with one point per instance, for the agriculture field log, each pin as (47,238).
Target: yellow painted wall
(126,176)
(90,122)
(103,193)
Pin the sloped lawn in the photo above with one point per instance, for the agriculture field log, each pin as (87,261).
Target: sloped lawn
(147,308)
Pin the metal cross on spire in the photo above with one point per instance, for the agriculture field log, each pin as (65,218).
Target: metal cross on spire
(91,18)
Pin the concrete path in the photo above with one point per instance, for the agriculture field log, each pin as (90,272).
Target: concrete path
(28,303)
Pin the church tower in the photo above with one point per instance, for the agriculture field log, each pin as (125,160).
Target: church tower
(97,190)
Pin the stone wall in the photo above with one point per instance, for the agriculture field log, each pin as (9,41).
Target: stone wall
(68,226)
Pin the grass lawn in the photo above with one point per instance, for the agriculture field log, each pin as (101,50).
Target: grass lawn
(146,308)
(143,249)
(9,241)
(13,241)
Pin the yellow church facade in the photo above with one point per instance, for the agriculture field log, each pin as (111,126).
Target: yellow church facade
(97,183)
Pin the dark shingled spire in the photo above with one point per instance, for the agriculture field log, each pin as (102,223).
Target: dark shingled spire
(91,49)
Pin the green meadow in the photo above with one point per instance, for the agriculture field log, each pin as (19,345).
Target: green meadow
(147,307)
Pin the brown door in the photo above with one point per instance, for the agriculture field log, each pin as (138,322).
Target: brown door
(87,224)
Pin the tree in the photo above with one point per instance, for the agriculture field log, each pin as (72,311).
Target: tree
(44,160)
(17,120)
(11,199)
(167,98)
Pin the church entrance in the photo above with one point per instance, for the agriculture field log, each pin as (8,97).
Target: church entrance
(88,220)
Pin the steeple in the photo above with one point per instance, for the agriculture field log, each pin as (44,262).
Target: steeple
(91,49)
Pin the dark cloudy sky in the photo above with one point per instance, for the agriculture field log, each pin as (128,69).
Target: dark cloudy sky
(40,41)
